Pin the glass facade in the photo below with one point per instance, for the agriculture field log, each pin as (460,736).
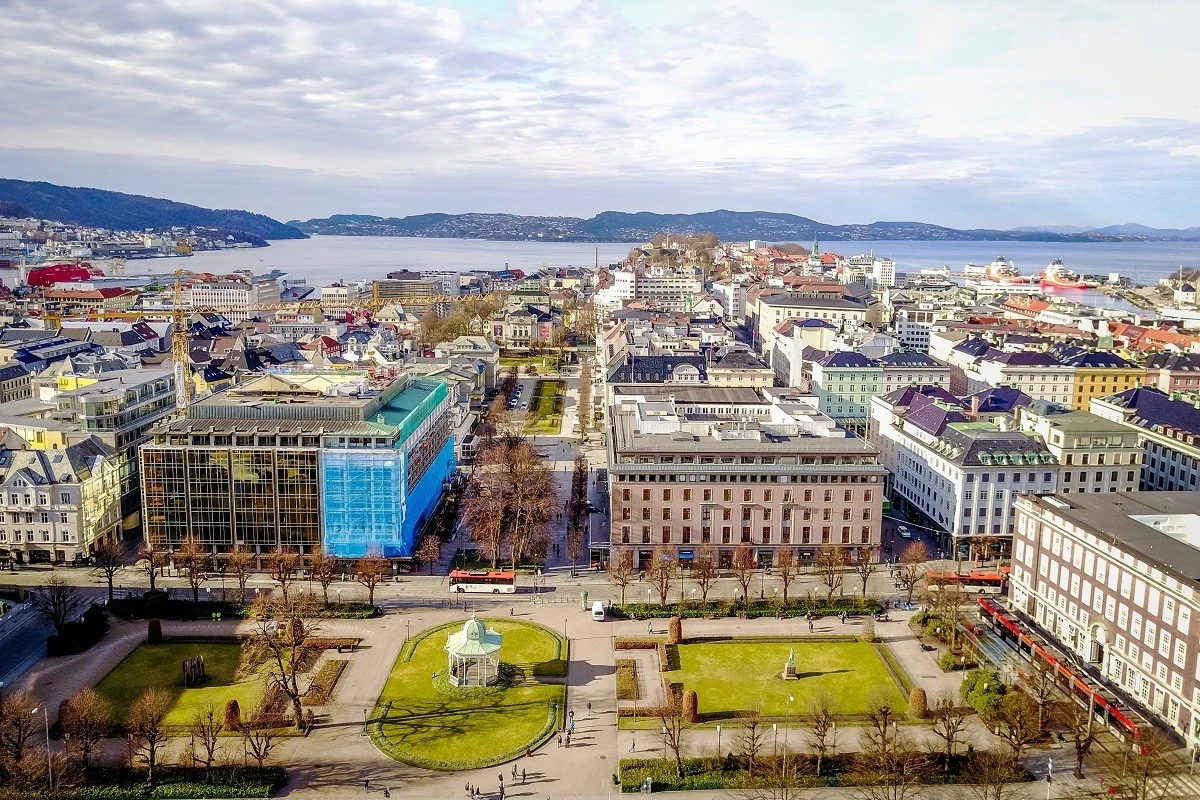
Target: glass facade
(364,503)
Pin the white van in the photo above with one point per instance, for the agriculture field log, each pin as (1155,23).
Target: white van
(598,611)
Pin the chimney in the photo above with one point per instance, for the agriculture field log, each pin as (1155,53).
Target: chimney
(974,407)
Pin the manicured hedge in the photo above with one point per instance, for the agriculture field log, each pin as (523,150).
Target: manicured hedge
(157,604)
(173,783)
(79,635)
(627,683)
(757,608)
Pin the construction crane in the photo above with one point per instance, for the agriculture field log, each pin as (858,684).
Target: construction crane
(180,348)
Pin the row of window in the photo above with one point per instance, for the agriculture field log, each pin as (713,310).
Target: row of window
(666,535)
(764,514)
(43,499)
(768,495)
(29,536)
(43,516)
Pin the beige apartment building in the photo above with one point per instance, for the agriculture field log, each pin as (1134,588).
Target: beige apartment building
(733,468)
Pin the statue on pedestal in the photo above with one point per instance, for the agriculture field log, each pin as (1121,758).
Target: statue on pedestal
(789,669)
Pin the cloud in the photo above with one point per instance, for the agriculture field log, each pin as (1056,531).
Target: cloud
(984,115)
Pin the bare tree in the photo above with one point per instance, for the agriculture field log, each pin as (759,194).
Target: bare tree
(147,724)
(864,567)
(949,722)
(780,778)
(947,599)
(620,569)
(751,740)
(240,562)
(370,571)
(192,559)
(830,564)
(662,572)
(1081,728)
(704,570)
(324,570)
(86,719)
(745,565)
(675,728)
(107,557)
(912,568)
(1042,687)
(585,397)
(16,725)
(282,563)
(821,718)
(57,602)
(577,512)
(1016,721)
(430,550)
(892,767)
(150,561)
(786,568)
(991,776)
(1149,773)
(281,634)
(484,506)
(206,728)
(258,737)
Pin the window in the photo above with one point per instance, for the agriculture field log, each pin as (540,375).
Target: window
(829,495)
(747,495)
(727,495)
(666,535)
(865,534)
(626,513)
(848,495)
(846,534)
(666,513)
(625,495)
(687,495)
(645,512)
(767,496)
(646,495)
(808,496)
(707,497)
(745,534)
(666,495)
(687,513)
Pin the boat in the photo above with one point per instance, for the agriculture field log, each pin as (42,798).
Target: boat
(51,274)
(1057,276)
(1000,271)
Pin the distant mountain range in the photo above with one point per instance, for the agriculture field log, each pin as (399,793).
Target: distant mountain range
(1129,229)
(98,208)
(617,226)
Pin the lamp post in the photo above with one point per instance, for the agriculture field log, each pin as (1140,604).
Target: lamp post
(762,582)
(775,731)
(49,760)
(718,741)
(407,629)
(664,742)
(647,598)
(787,717)
(564,627)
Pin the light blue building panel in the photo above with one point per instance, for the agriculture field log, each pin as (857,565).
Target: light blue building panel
(425,495)
(363,508)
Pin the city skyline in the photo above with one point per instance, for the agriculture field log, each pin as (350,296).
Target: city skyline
(967,116)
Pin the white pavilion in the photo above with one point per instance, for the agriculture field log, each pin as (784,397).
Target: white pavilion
(470,655)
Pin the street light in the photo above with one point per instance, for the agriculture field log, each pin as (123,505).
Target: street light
(49,762)
(775,730)
(787,716)
(664,742)
(718,741)
(647,599)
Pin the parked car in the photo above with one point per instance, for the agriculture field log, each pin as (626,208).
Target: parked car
(904,532)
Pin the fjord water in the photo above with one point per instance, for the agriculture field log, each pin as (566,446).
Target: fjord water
(324,259)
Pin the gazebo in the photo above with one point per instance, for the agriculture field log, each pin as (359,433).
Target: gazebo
(470,655)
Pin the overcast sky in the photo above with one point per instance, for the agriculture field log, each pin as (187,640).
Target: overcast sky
(987,114)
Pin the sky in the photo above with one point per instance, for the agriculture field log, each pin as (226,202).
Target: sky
(969,114)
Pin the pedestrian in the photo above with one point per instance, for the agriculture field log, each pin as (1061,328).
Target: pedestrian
(528,753)
(810,626)
(367,785)
(514,771)
(649,628)
(568,738)
(387,791)
(469,789)
(501,779)
(572,730)
(571,715)
(589,708)
(560,740)
(632,744)
(522,777)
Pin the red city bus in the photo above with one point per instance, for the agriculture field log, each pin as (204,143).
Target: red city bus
(483,580)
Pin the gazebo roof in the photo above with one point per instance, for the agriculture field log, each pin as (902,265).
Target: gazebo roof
(473,640)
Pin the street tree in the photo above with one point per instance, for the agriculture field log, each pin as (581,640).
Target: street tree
(57,602)
(704,569)
(108,558)
(258,739)
(830,564)
(192,560)
(16,725)
(146,723)
(324,570)
(370,571)
(912,567)
(1149,772)
(787,569)
(621,569)
(892,768)
(745,565)
(86,719)
(864,567)
(1043,688)
(483,512)
(751,739)
(239,561)
(282,563)
(1079,723)
(430,550)
(675,728)
(585,397)
(150,561)
(991,776)
(662,572)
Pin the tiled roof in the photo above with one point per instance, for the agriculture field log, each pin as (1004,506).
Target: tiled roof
(909,358)
(931,417)
(1000,400)
(1174,361)
(846,359)
(1154,407)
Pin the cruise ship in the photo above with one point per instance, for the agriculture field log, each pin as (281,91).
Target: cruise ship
(1057,276)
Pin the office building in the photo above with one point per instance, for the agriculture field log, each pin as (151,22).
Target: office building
(339,460)
(1168,427)
(738,468)
(1112,578)
(1096,454)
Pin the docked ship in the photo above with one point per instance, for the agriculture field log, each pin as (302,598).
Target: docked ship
(1057,276)
(1000,271)
(50,274)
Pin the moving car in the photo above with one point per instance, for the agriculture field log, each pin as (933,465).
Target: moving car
(598,611)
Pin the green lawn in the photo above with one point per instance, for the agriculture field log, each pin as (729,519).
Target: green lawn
(160,666)
(729,677)
(416,723)
(546,408)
